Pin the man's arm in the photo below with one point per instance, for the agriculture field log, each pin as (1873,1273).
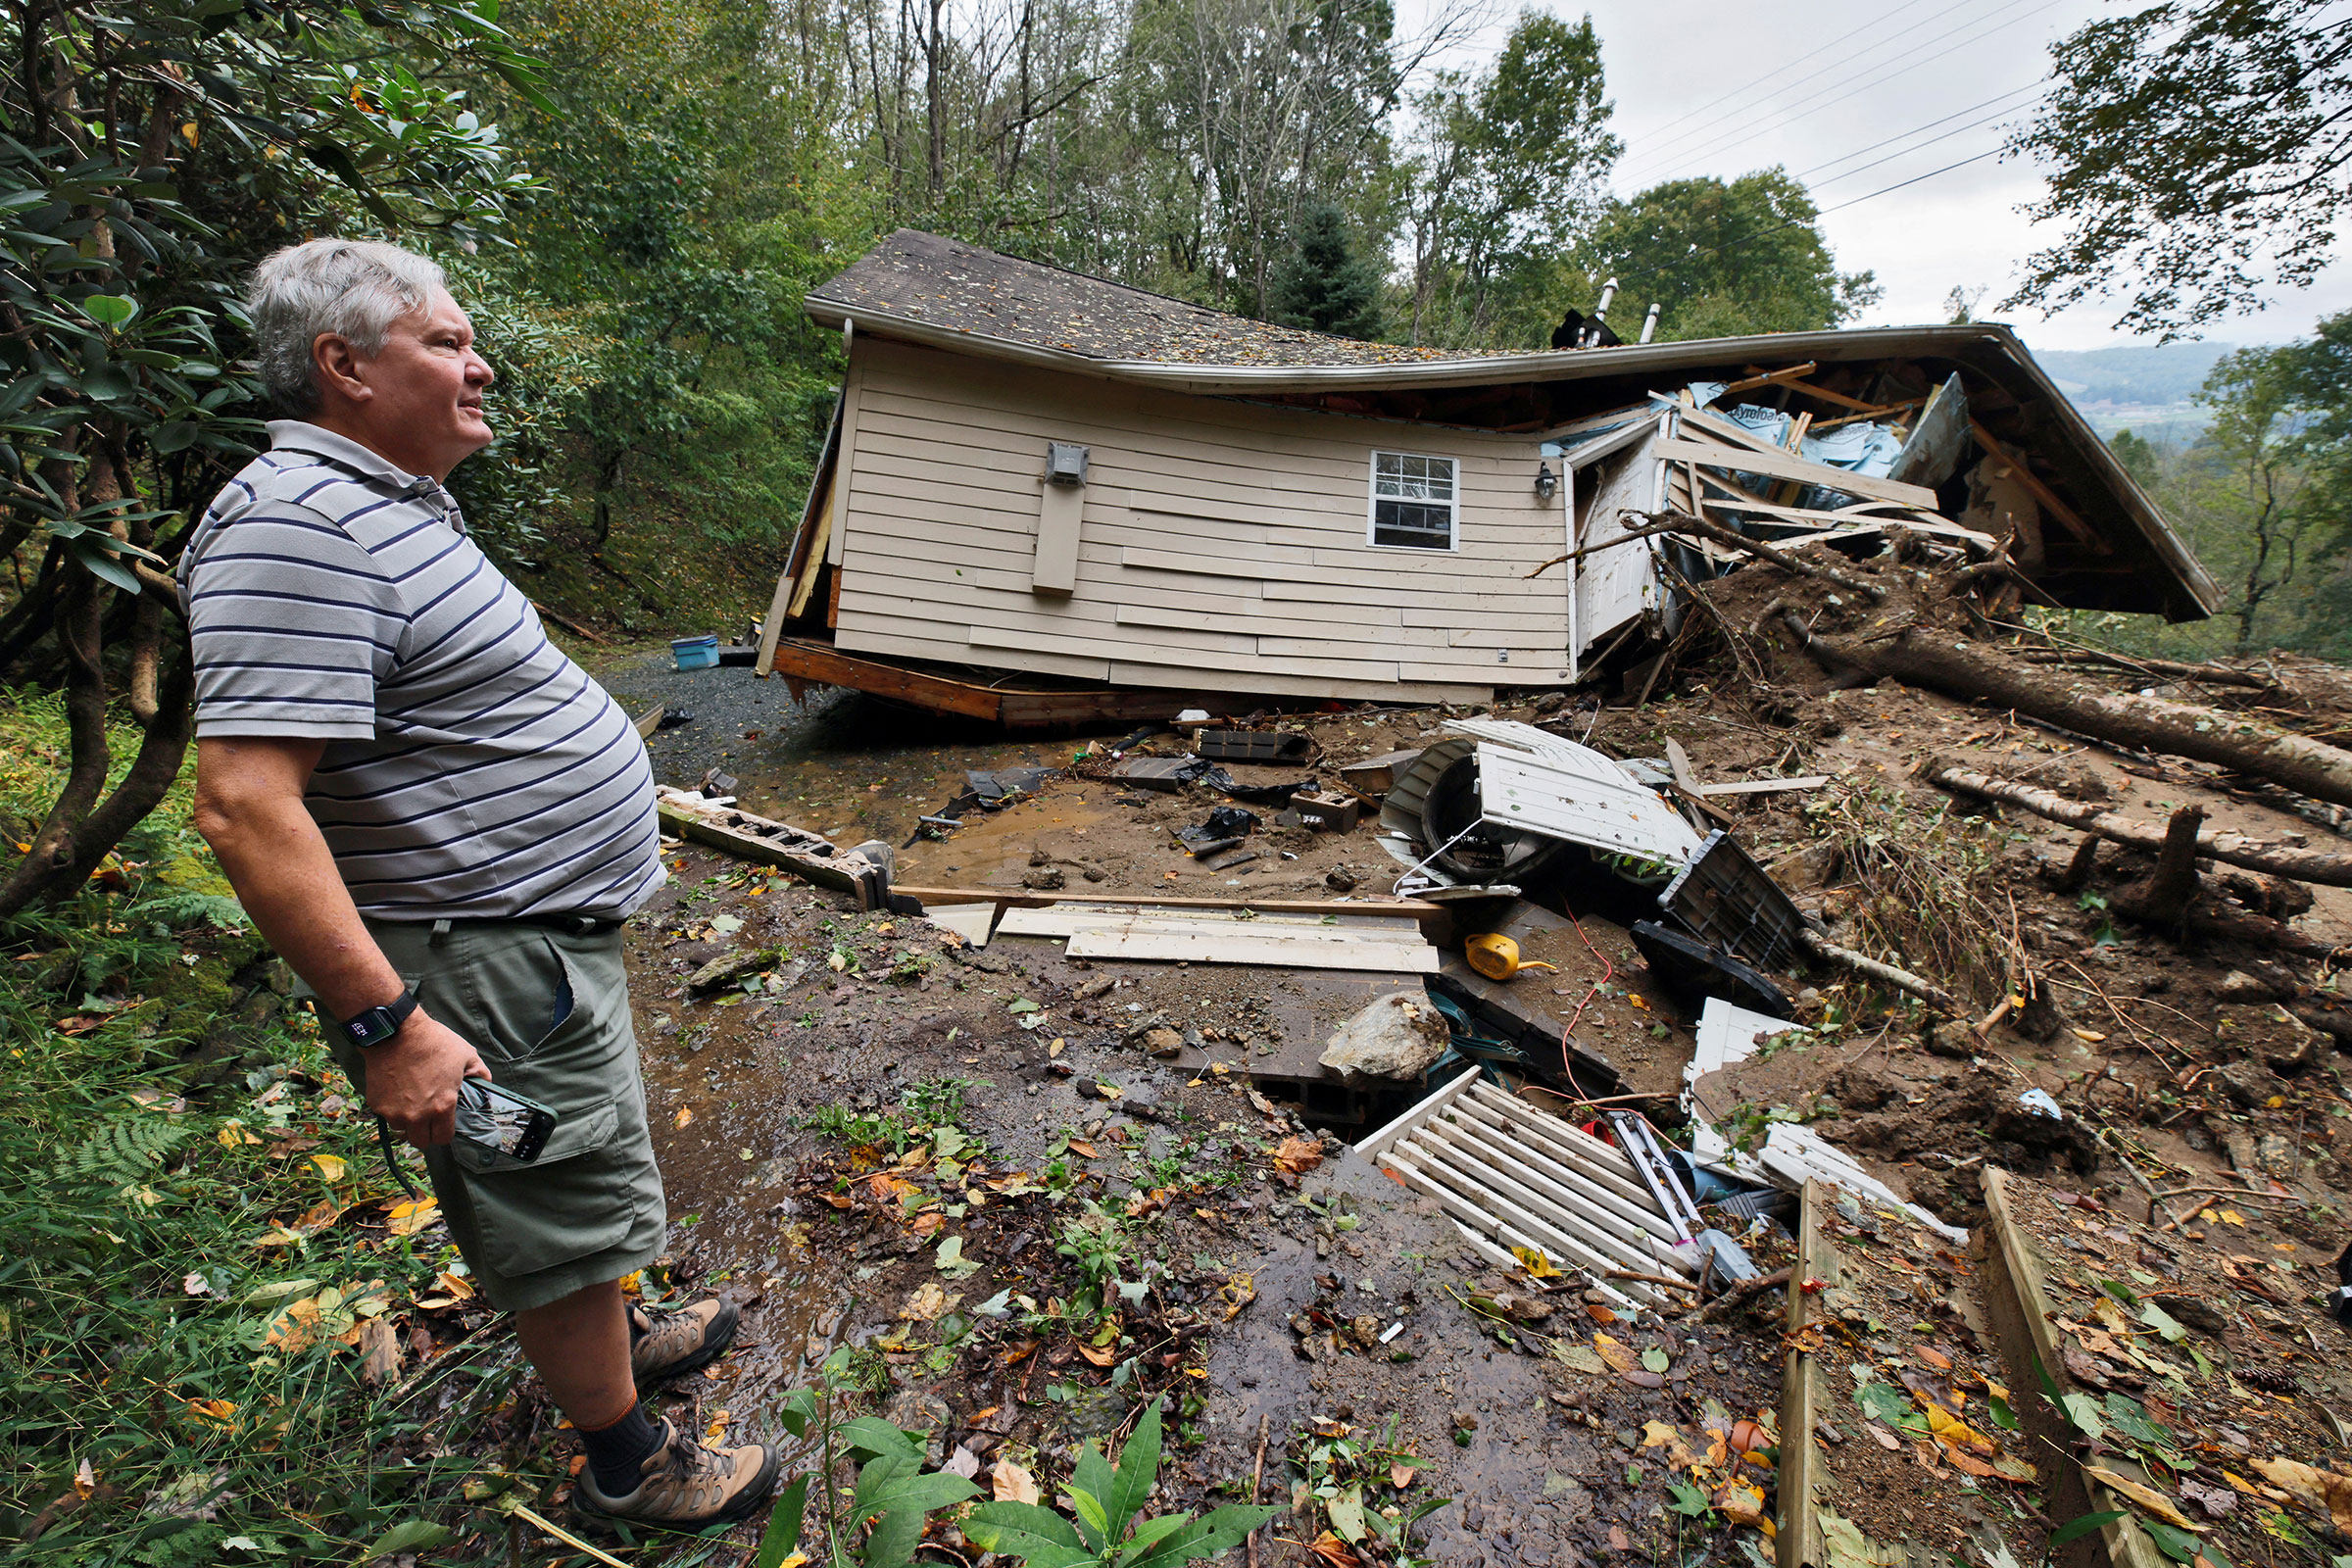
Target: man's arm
(249,809)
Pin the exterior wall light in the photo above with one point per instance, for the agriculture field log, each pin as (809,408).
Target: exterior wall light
(1548,484)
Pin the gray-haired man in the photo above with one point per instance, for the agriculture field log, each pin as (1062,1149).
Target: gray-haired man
(440,821)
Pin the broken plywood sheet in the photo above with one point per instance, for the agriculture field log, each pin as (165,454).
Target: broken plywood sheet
(1068,920)
(1511,1177)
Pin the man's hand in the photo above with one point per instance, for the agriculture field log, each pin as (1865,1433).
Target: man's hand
(413,1079)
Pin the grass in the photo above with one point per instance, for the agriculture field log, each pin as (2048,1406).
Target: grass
(192,1217)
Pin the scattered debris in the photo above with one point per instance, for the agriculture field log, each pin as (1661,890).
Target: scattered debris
(1396,1037)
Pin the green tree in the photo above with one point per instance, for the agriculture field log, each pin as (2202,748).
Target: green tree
(2138,456)
(1508,168)
(1324,285)
(2196,155)
(1723,257)
(151,155)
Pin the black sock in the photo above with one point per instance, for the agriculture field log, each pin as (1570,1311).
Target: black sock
(617,1453)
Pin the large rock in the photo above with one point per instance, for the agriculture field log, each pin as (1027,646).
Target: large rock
(1396,1037)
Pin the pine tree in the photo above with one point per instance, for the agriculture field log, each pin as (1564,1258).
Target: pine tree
(1324,286)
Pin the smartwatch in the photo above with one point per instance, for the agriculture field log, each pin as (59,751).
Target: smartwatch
(379,1025)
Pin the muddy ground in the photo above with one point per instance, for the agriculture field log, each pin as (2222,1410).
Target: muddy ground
(801,1114)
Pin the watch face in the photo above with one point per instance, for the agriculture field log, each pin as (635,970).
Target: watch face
(369,1026)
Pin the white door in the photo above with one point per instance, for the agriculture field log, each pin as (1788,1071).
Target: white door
(1613,586)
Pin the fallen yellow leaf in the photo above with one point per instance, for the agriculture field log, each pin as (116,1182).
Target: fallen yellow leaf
(2231,1216)
(2321,1488)
(1537,1267)
(406,1219)
(330,1166)
(2145,1497)
(685,1116)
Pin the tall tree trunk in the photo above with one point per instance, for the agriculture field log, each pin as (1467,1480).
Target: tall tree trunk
(55,846)
(935,103)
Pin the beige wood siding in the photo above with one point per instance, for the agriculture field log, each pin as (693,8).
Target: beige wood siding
(1222,545)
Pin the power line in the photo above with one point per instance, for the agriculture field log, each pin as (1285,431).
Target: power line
(1956,130)
(1758,82)
(2031,86)
(1899,68)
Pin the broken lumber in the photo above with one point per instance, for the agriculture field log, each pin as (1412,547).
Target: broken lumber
(1945,660)
(2171,668)
(1785,466)
(1927,990)
(807,856)
(2236,848)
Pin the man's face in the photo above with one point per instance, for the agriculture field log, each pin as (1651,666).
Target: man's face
(423,411)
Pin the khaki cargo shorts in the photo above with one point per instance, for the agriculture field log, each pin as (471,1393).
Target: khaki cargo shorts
(549,1012)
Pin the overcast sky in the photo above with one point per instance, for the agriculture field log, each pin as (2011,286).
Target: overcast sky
(1812,87)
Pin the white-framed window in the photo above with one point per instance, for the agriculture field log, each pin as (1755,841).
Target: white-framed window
(1415,502)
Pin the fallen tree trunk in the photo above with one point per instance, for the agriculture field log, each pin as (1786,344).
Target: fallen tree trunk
(1943,660)
(2236,848)
(2171,668)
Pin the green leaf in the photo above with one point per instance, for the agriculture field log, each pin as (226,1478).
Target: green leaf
(175,435)
(1132,1482)
(1218,1530)
(1688,1501)
(2121,1292)
(109,309)
(410,1535)
(796,1412)
(1019,1528)
(1885,1404)
(874,1436)
(2002,1416)
(1656,1360)
(1347,1511)
(102,563)
(2085,1414)
(1092,1522)
(2077,1529)
(2179,1544)
(2049,1385)
(782,1537)
(2164,1323)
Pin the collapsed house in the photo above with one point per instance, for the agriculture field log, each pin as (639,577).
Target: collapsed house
(1048,498)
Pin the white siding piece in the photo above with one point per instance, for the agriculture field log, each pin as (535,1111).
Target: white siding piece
(1573,799)
(1728,1033)
(1210,947)
(1795,1155)
(1494,1227)
(1614,586)
(1068,920)
(1415,1116)
(970,921)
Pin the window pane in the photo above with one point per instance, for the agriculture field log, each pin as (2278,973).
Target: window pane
(1412,478)
(1405,524)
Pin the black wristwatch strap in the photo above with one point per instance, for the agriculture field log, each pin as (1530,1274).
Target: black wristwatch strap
(377,1025)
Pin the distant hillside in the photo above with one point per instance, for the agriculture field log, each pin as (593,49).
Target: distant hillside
(2132,377)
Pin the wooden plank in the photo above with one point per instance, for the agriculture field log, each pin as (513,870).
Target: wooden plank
(1931,452)
(1765,786)
(1176,948)
(650,720)
(1769,378)
(1799,1536)
(970,921)
(2023,1325)
(853,397)
(2041,492)
(1404,1124)
(1781,465)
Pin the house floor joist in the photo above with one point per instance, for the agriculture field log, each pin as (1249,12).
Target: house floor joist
(805,661)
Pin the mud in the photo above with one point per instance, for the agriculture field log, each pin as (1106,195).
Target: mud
(2172,1065)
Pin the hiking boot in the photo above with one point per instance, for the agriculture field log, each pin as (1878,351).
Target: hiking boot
(674,1343)
(686,1486)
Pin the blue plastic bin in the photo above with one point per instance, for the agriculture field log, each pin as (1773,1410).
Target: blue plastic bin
(695,652)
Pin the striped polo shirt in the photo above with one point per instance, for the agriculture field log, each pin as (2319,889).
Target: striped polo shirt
(471,770)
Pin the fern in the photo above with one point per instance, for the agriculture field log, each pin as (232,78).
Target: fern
(180,910)
(125,1149)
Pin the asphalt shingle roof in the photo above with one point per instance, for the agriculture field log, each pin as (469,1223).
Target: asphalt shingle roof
(949,284)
